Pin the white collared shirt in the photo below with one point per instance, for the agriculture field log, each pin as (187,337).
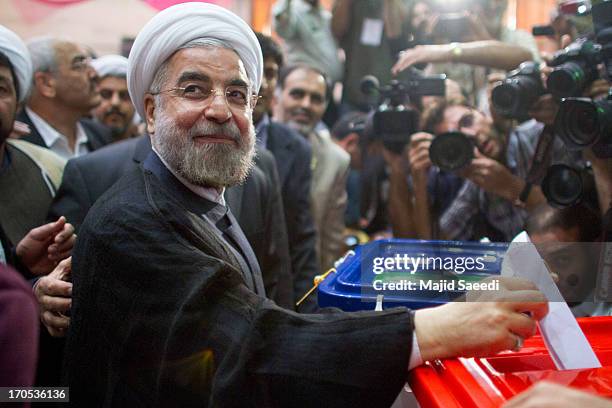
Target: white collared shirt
(57,142)
(208,193)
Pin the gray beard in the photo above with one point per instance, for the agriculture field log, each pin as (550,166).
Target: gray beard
(208,165)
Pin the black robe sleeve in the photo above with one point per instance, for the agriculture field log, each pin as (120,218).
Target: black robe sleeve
(161,317)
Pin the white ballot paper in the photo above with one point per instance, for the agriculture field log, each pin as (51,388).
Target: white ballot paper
(563,337)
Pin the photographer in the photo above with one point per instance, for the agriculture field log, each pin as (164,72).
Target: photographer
(602,171)
(567,240)
(487,204)
(366,179)
(427,191)
(535,94)
(460,42)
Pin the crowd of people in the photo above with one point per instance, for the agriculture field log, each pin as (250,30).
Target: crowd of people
(215,172)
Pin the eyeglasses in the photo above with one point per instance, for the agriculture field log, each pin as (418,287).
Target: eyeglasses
(108,94)
(236,96)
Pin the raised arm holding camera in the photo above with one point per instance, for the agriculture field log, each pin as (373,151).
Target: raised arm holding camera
(466,46)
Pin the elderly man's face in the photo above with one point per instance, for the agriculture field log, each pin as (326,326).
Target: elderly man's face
(8,103)
(75,79)
(116,110)
(303,99)
(208,138)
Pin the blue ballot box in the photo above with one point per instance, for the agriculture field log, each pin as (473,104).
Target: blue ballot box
(410,273)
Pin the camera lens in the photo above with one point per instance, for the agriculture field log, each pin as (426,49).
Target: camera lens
(583,123)
(586,122)
(577,123)
(562,186)
(568,79)
(451,151)
(505,98)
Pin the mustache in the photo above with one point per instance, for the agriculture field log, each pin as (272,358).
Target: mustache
(114,110)
(228,129)
(302,111)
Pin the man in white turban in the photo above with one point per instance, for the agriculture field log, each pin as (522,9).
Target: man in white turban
(168,306)
(116,110)
(29,177)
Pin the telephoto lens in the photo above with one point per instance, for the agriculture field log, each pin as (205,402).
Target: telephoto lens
(583,123)
(451,151)
(575,69)
(518,92)
(562,186)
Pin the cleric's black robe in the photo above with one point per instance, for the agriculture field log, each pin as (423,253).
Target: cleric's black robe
(162,316)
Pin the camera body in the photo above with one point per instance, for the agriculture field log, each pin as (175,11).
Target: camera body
(581,122)
(394,120)
(575,68)
(518,92)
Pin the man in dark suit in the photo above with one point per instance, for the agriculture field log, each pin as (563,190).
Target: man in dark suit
(293,157)
(64,90)
(169,309)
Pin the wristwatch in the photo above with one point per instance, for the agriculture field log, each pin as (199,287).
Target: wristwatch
(456,51)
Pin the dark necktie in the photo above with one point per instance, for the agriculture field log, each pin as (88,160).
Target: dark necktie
(226,223)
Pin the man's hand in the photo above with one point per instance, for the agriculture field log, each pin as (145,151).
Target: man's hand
(481,328)
(418,155)
(394,161)
(545,109)
(20,129)
(598,89)
(493,177)
(53,293)
(421,54)
(549,395)
(43,247)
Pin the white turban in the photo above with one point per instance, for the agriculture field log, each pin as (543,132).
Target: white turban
(174,27)
(113,65)
(16,51)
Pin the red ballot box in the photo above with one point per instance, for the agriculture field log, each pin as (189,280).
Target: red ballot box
(489,382)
